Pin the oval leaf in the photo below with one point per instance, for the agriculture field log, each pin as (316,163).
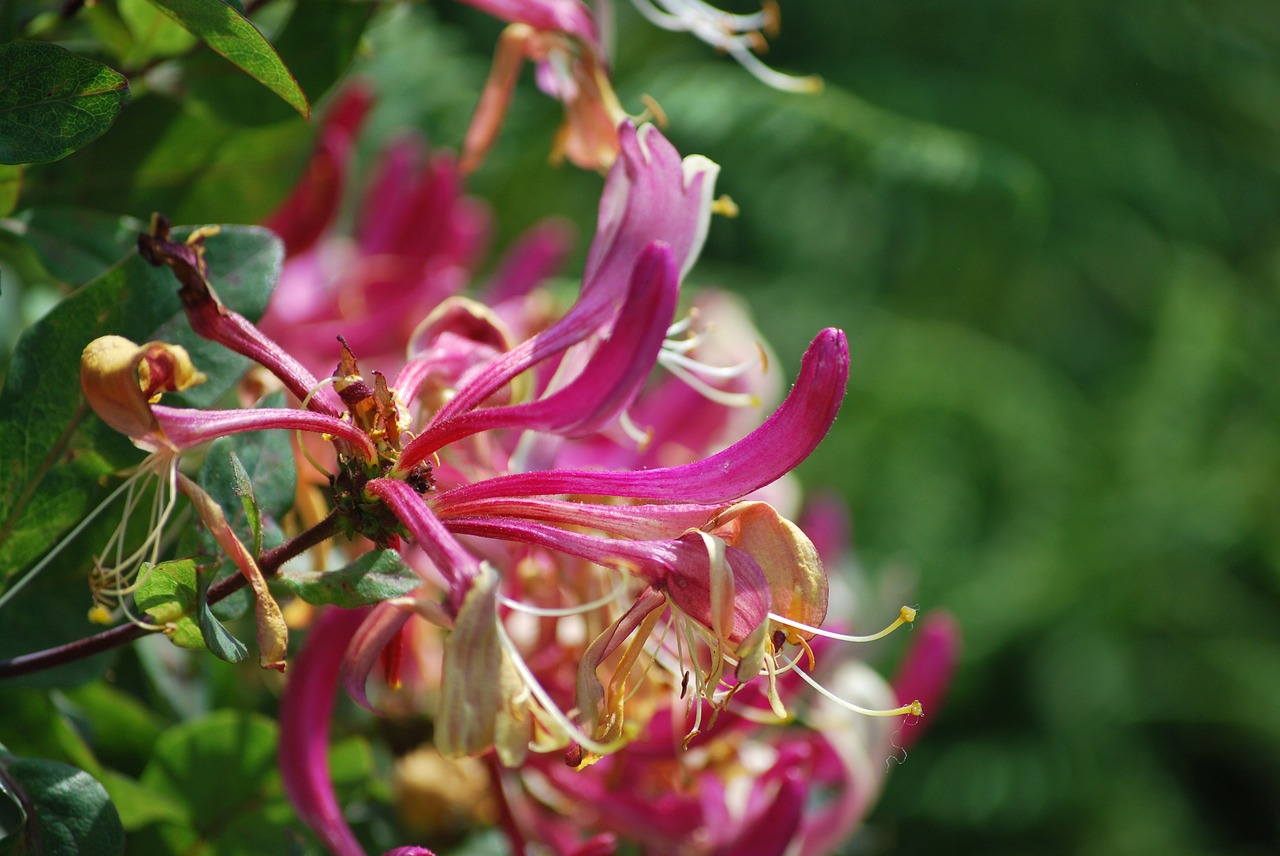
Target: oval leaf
(53,102)
(372,578)
(10,187)
(232,35)
(68,811)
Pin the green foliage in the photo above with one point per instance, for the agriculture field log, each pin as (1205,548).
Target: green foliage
(228,32)
(57,457)
(168,594)
(75,245)
(52,448)
(372,578)
(216,637)
(241,809)
(10,187)
(67,810)
(53,102)
(1051,232)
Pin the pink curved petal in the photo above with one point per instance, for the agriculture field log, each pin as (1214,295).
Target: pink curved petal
(605,387)
(187,427)
(303,217)
(382,625)
(650,195)
(305,710)
(769,832)
(775,448)
(927,669)
(458,566)
(559,16)
(681,567)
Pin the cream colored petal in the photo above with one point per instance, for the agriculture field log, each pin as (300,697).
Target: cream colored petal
(121,380)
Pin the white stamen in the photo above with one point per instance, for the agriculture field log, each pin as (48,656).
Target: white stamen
(641,437)
(719,396)
(913,708)
(545,701)
(674,357)
(905,616)
(618,592)
(298,433)
(739,35)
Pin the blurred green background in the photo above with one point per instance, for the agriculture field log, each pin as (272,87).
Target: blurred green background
(1052,232)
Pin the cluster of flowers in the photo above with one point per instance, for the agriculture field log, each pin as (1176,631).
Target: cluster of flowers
(618,625)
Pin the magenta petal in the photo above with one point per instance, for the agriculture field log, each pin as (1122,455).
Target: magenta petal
(458,566)
(604,844)
(303,217)
(366,648)
(650,195)
(557,16)
(637,522)
(785,439)
(305,710)
(607,385)
(927,668)
(187,427)
(620,365)
(680,567)
(769,832)
(579,323)
(647,198)
(537,255)
(232,330)
(409,851)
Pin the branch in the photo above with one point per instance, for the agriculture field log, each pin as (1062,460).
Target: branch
(269,562)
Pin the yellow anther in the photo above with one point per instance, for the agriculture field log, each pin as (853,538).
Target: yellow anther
(652,109)
(908,614)
(724,206)
(772,18)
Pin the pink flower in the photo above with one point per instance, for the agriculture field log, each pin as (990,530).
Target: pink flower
(595,600)
(560,37)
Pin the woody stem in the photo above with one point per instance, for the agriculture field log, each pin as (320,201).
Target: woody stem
(270,562)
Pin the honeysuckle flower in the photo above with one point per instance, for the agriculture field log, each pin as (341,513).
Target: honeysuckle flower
(123,383)
(561,38)
(586,605)
(740,36)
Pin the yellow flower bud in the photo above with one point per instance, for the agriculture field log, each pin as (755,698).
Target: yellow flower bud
(122,380)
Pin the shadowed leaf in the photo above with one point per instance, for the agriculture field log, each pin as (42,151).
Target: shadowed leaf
(53,102)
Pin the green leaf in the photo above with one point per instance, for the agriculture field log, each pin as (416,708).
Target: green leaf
(244,490)
(168,595)
(222,770)
(53,450)
(12,817)
(164,157)
(372,578)
(76,245)
(120,727)
(221,643)
(154,33)
(231,34)
(53,102)
(10,187)
(35,727)
(68,811)
(318,43)
(139,805)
